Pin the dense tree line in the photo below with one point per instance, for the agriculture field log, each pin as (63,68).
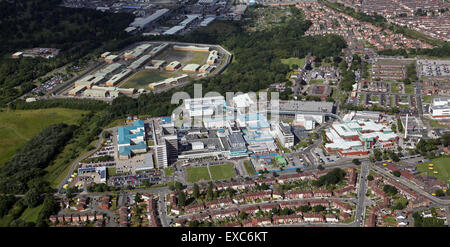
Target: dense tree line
(420,221)
(25,168)
(331,178)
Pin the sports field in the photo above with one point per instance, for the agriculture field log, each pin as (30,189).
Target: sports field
(142,79)
(17,127)
(221,172)
(441,165)
(218,172)
(195,174)
(185,57)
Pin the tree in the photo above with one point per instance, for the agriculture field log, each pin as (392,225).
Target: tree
(138,198)
(209,193)
(32,198)
(439,193)
(6,203)
(390,190)
(356,161)
(370,177)
(196,191)
(396,173)
(320,167)
(318,208)
(181,199)
(298,170)
(178,185)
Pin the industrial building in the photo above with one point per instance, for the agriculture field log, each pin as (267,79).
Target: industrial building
(136,52)
(172,66)
(138,63)
(212,58)
(191,68)
(191,48)
(156,65)
(174,30)
(158,49)
(142,23)
(169,81)
(118,77)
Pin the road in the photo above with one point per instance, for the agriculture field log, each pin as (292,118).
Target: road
(360,206)
(79,159)
(411,186)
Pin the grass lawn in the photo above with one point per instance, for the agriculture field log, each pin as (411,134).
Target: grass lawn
(5,220)
(441,165)
(435,124)
(110,171)
(31,214)
(168,172)
(221,172)
(316,82)
(249,168)
(195,174)
(427,99)
(409,89)
(17,127)
(142,79)
(293,60)
(394,88)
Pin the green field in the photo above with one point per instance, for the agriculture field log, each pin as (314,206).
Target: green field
(142,79)
(435,124)
(222,172)
(195,174)
(316,82)
(31,214)
(293,60)
(186,57)
(17,127)
(441,165)
(409,89)
(249,168)
(168,172)
(394,88)
(427,99)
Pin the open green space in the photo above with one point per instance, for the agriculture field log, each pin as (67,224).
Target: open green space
(293,60)
(221,172)
(427,99)
(409,89)
(316,82)
(394,88)
(435,124)
(31,214)
(17,127)
(168,172)
(195,174)
(186,57)
(441,165)
(249,168)
(142,79)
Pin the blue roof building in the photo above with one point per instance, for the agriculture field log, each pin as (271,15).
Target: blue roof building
(131,139)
